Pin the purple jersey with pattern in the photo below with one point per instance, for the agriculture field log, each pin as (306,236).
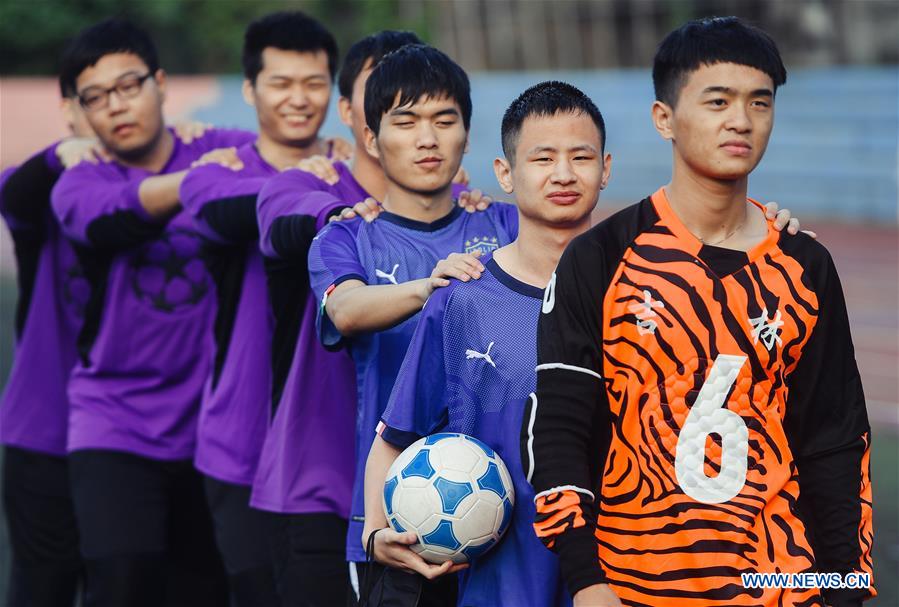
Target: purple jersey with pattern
(306,465)
(143,347)
(34,412)
(470,369)
(234,406)
(390,250)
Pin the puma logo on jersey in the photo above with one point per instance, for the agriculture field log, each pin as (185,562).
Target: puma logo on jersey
(469,354)
(766,330)
(645,313)
(391,278)
(549,295)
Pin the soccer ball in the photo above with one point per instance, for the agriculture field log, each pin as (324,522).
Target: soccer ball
(454,492)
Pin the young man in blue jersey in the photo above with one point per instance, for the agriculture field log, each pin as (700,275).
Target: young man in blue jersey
(304,479)
(373,278)
(553,139)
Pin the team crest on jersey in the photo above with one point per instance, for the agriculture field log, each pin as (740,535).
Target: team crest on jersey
(484,244)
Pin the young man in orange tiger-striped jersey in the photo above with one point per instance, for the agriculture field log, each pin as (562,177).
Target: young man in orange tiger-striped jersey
(699,413)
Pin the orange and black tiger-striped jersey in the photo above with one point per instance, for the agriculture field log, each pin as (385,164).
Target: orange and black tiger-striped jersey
(698,415)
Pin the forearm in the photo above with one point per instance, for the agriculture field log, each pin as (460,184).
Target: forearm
(289,237)
(360,308)
(230,220)
(826,424)
(159,195)
(569,440)
(380,458)
(223,201)
(25,195)
(835,502)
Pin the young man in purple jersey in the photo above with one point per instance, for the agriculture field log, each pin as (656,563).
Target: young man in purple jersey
(46,564)
(146,536)
(34,413)
(289,62)
(305,471)
(373,278)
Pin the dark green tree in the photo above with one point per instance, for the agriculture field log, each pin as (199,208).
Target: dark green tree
(193,36)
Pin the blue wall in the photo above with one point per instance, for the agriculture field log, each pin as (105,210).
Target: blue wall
(833,152)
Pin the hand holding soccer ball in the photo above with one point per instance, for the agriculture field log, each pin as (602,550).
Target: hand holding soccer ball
(449,498)
(392,548)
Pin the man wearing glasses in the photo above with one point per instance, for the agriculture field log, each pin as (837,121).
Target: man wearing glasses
(146,537)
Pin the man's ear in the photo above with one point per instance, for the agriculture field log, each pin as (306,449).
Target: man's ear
(606,171)
(371,143)
(68,112)
(467,143)
(249,95)
(502,168)
(663,119)
(345,111)
(161,83)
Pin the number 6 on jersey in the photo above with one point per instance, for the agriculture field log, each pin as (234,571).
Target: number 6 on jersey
(708,416)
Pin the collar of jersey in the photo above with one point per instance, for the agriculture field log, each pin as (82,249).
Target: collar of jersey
(421,226)
(692,244)
(511,282)
(252,151)
(166,168)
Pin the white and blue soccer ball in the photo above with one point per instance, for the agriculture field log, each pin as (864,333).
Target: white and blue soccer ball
(454,492)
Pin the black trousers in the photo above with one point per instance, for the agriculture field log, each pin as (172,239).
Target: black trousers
(46,563)
(381,586)
(146,533)
(241,534)
(309,558)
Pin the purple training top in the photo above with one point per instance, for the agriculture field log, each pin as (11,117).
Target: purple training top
(143,356)
(234,407)
(306,464)
(34,413)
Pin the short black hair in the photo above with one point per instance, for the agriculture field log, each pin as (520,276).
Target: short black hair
(288,31)
(547,99)
(707,42)
(373,47)
(95,42)
(413,72)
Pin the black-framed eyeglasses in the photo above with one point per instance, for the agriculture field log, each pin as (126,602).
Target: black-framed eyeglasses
(128,87)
